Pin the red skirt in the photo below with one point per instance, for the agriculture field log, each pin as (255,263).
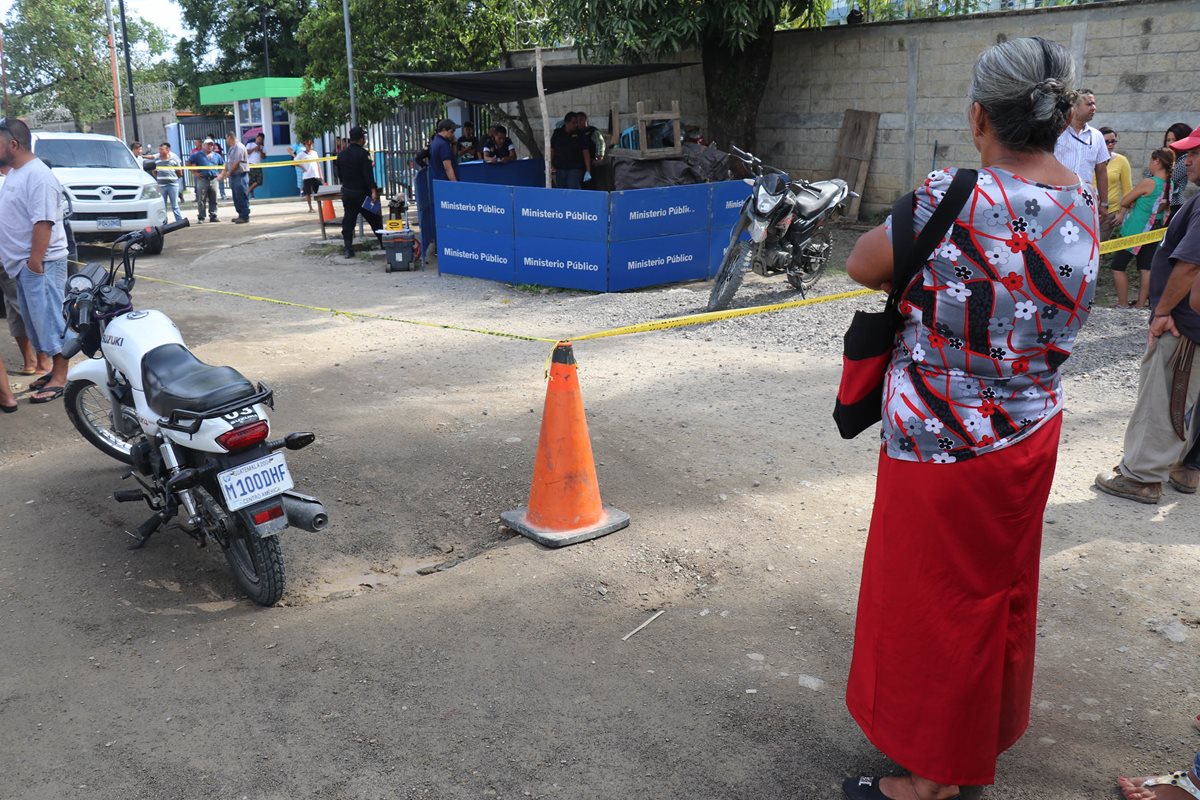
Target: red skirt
(947,611)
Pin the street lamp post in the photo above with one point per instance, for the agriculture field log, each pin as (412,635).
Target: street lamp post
(350,62)
(129,72)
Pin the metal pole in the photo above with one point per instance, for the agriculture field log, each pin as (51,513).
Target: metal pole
(118,106)
(266,44)
(129,71)
(3,73)
(541,90)
(350,62)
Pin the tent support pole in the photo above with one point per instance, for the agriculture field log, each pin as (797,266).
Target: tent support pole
(541,89)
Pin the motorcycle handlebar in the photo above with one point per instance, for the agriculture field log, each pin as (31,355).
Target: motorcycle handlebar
(174,226)
(71,346)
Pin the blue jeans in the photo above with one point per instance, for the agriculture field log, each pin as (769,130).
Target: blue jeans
(41,297)
(170,193)
(239,186)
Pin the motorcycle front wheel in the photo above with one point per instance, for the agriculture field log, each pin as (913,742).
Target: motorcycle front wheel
(729,276)
(90,410)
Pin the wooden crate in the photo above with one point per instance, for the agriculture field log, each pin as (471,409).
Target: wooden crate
(618,121)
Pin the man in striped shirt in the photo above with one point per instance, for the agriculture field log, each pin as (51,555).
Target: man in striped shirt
(1081,149)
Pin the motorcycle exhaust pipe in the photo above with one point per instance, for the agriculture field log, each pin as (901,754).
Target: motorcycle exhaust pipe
(304,512)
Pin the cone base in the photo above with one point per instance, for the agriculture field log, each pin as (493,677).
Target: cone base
(613,520)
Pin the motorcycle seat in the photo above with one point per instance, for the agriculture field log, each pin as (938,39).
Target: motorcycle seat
(817,196)
(175,380)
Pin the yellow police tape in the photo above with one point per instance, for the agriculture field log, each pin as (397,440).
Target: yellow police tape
(348,314)
(263,164)
(625,330)
(1124,243)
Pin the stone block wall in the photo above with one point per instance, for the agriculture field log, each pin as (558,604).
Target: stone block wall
(1137,55)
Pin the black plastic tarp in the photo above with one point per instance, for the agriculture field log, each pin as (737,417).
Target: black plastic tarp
(510,85)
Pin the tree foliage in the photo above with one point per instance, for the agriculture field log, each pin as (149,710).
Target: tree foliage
(232,40)
(398,36)
(734,37)
(57,54)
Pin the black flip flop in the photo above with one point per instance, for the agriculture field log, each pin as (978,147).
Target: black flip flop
(36,384)
(866,787)
(9,409)
(55,393)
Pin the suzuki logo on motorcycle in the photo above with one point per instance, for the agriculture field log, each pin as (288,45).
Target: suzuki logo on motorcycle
(115,341)
(241,417)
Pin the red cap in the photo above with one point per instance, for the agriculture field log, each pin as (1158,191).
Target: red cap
(1189,142)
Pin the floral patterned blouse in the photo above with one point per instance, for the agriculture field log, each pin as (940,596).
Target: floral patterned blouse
(991,318)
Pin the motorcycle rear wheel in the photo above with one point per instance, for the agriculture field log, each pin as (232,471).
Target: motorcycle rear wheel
(729,276)
(257,564)
(813,269)
(90,411)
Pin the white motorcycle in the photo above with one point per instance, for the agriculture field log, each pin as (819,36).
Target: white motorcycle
(195,435)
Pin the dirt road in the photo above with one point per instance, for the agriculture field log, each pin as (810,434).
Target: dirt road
(504,675)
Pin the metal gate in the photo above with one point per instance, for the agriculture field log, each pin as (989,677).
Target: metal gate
(395,143)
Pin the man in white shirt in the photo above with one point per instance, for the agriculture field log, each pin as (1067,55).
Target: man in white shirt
(1081,149)
(256,153)
(33,251)
(310,171)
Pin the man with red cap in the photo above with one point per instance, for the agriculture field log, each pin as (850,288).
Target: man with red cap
(1158,443)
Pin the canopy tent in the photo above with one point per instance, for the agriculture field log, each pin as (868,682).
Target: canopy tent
(510,85)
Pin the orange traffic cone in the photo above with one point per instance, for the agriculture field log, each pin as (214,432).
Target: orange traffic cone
(327,212)
(564,502)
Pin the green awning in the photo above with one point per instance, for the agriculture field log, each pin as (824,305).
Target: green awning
(251,89)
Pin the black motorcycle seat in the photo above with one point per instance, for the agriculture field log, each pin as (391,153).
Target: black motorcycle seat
(817,196)
(175,380)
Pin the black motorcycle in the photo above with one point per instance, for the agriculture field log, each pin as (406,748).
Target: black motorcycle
(788,225)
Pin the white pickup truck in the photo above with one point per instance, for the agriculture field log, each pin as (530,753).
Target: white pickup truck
(109,191)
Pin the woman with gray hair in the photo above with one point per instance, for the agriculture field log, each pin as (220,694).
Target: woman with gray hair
(943,653)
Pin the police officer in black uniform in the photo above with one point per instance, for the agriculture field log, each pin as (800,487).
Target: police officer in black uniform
(358,184)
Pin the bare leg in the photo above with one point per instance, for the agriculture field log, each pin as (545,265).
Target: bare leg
(7,399)
(1121,282)
(29,357)
(58,377)
(1143,300)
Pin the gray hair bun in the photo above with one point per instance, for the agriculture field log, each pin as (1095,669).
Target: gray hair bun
(1026,88)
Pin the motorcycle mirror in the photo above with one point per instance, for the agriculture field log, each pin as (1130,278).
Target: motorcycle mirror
(299,440)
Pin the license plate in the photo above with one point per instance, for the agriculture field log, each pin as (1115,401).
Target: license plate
(258,480)
(108,223)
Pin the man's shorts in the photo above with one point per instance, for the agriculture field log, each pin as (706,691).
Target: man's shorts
(311,186)
(12,305)
(256,177)
(41,296)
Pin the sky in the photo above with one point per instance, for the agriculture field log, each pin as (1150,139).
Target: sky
(163,13)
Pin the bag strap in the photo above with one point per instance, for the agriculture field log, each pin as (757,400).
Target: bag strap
(908,257)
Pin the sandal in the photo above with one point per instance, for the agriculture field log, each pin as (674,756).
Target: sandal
(36,384)
(1179,779)
(23,372)
(10,409)
(866,787)
(54,392)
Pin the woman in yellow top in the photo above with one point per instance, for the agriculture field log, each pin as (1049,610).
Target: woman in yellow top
(1120,181)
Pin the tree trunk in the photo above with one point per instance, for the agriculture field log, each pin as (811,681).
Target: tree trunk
(734,84)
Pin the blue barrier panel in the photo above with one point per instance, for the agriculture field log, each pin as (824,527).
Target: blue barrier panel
(716,252)
(727,198)
(561,214)
(473,207)
(556,262)
(645,213)
(664,259)
(480,255)
(522,172)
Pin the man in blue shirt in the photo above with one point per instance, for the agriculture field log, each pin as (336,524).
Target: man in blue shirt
(206,190)
(443,158)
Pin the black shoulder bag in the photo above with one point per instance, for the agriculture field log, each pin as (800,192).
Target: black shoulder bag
(871,337)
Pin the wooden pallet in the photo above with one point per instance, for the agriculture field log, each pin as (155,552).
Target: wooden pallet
(856,143)
(641,117)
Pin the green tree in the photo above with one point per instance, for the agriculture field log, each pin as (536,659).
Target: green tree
(735,39)
(232,41)
(400,36)
(57,55)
